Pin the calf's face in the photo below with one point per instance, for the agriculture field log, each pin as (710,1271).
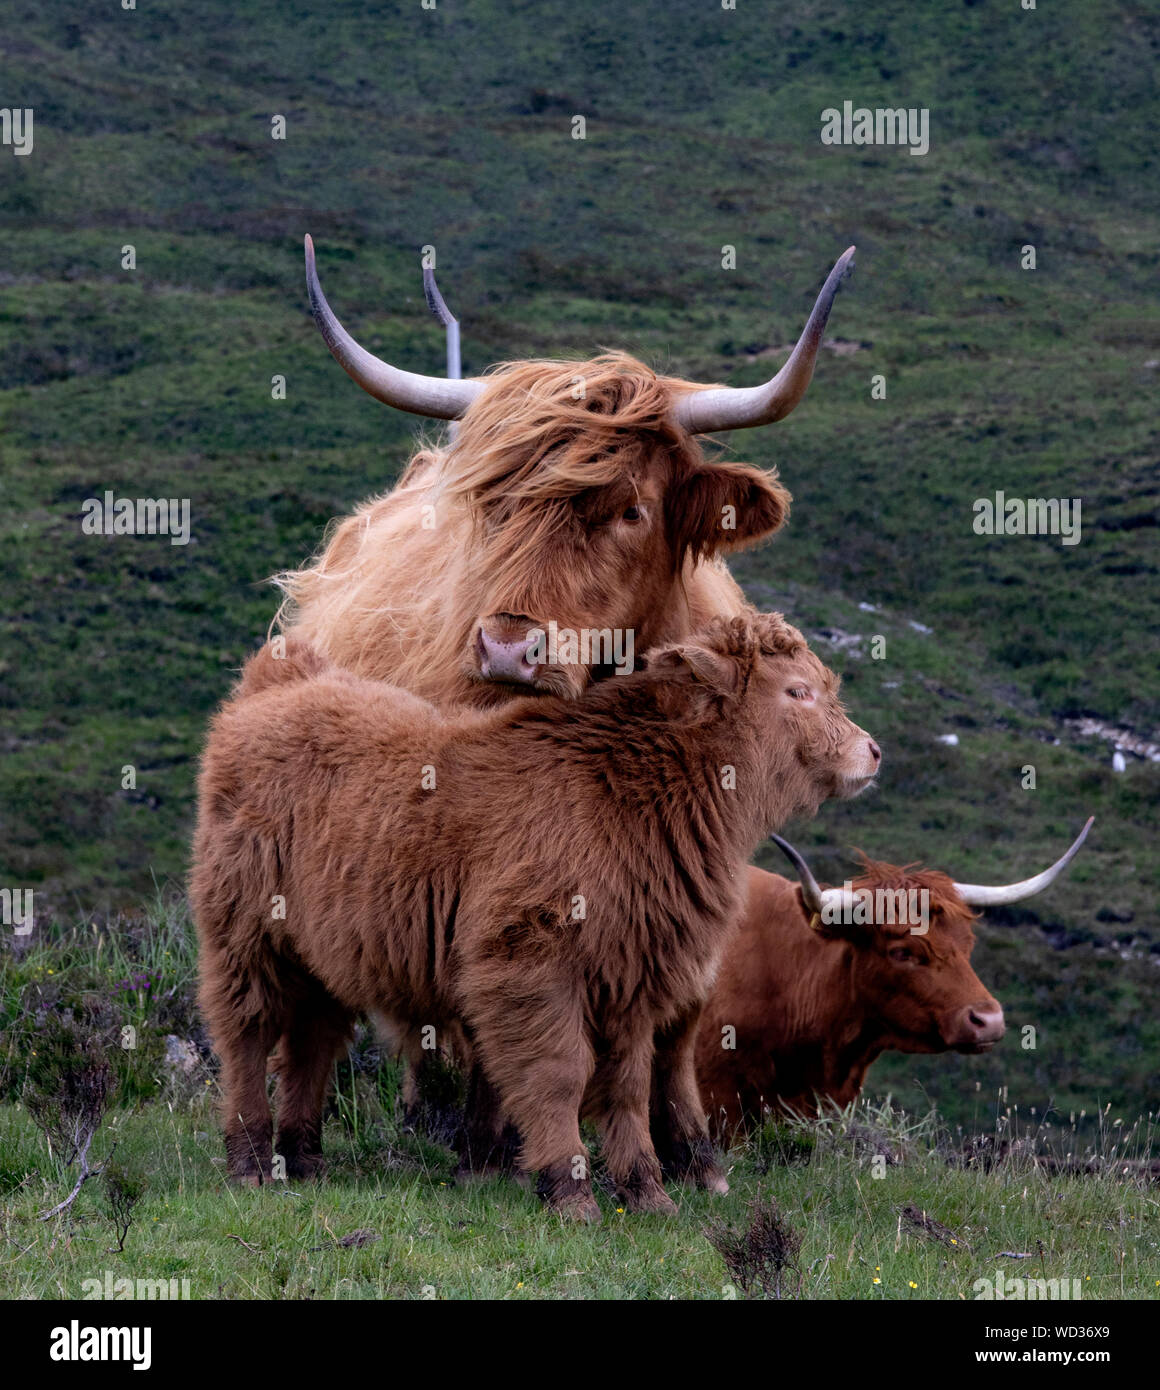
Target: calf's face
(800,696)
(772,686)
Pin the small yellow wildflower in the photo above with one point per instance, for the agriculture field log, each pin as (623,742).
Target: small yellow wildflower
(877,1280)
(913,1285)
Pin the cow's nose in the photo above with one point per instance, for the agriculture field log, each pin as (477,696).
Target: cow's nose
(875,751)
(505,658)
(983,1023)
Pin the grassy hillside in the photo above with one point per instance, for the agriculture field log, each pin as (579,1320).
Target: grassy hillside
(453,128)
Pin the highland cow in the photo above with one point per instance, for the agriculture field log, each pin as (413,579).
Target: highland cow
(573,496)
(572,493)
(558,878)
(817,983)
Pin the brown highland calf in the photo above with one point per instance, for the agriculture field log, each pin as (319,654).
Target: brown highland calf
(558,877)
(817,983)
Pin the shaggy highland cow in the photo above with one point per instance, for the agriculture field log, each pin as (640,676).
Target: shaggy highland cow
(817,983)
(573,495)
(556,877)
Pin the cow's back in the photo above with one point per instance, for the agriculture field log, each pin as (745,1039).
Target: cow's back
(307,839)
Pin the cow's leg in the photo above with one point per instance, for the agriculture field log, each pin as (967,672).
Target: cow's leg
(242,1034)
(245,1109)
(677,1115)
(620,1105)
(539,1061)
(431,1084)
(318,1029)
(488,1142)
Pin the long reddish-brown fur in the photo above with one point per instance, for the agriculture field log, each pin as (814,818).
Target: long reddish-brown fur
(798,1014)
(559,877)
(522,513)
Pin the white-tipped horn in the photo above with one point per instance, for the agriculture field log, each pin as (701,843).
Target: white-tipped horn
(421,395)
(825,905)
(981,895)
(743,407)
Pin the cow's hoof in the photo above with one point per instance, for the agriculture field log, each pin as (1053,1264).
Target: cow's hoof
(304,1167)
(246,1179)
(651,1200)
(709,1176)
(582,1208)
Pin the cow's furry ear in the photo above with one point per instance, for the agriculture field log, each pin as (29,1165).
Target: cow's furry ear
(725,506)
(719,672)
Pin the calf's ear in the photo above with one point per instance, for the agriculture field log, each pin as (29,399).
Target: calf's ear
(725,506)
(720,673)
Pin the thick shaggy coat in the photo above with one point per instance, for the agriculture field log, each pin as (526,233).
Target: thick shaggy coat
(799,1013)
(557,876)
(594,513)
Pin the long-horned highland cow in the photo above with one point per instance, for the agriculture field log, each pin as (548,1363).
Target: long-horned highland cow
(574,498)
(556,877)
(817,983)
(572,494)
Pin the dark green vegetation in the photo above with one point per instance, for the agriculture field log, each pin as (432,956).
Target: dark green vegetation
(453,128)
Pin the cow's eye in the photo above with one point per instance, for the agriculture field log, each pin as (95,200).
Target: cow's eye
(902,955)
(632,514)
(800,692)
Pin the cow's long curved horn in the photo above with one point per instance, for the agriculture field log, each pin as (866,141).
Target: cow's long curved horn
(742,407)
(421,395)
(980,895)
(825,905)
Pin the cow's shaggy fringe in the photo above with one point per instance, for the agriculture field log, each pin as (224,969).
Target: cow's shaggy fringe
(466,530)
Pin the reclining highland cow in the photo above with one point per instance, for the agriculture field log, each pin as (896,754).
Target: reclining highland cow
(557,877)
(819,982)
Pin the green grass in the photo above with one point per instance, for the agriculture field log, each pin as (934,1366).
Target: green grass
(841,1184)
(492,1240)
